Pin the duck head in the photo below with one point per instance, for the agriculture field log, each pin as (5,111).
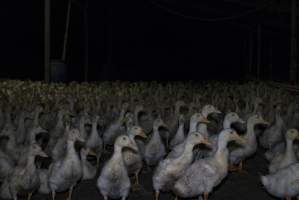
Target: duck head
(136,131)
(123,141)
(209,109)
(74,135)
(257,119)
(292,134)
(199,118)
(36,150)
(231,135)
(197,138)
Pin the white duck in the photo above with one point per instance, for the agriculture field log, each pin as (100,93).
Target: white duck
(170,169)
(283,183)
(249,148)
(64,173)
(94,141)
(155,149)
(195,119)
(114,181)
(203,175)
(288,157)
(274,133)
(133,159)
(88,170)
(24,177)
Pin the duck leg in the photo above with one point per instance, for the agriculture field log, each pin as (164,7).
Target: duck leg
(289,198)
(157,193)
(136,185)
(70,193)
(176,198)
(205,196)
(29,196)
(53,195)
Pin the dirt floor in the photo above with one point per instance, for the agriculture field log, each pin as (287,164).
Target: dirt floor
(236,186)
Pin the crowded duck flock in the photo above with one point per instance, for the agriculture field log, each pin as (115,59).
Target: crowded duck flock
(189,136)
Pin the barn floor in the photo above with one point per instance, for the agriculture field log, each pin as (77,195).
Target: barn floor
(245,186)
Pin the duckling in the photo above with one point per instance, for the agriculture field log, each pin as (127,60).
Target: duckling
(284,183)
(204,174)
(239,154)
(170,169)
(94,141)
(24,177)
(155,149)
(64,173)
(195,119)
(180,135)
(114,181)
(88,170)
(132,159)
(288,157)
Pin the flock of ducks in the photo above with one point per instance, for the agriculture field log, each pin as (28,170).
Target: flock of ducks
(191,135)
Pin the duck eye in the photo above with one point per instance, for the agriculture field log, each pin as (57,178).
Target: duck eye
(124,138)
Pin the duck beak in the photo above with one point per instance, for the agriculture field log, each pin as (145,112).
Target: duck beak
(217,111)
(241,121)
(204,120)
(91,153)
(80,139)
(240,140)
(43,154)
(265,123)
(206,142)
(142,134)
(133,146)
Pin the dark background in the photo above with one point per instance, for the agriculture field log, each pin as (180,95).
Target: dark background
(140,40)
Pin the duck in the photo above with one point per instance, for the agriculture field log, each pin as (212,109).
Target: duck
(133,159)
(180,134)
(88,170)
(274,133)
(170,169)
(114,181)
(229,119)
(288,157)
(155,149)
(94,141)
(194,120)
(64,173)
(239,154)
(204,174)
(284,183)
(115,128)
(24,177)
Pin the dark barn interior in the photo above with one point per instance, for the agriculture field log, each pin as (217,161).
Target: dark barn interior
(149,99)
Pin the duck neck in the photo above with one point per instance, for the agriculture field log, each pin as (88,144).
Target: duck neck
(226,123)
(30,165)
(289,153)
(222,153)
(187,155)
(250,134)
(193,126)
(94,130)
(117,154)
(203,128)
(71,149)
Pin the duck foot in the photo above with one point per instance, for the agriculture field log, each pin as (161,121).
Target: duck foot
(205,196)
(238,169)
(136,187)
